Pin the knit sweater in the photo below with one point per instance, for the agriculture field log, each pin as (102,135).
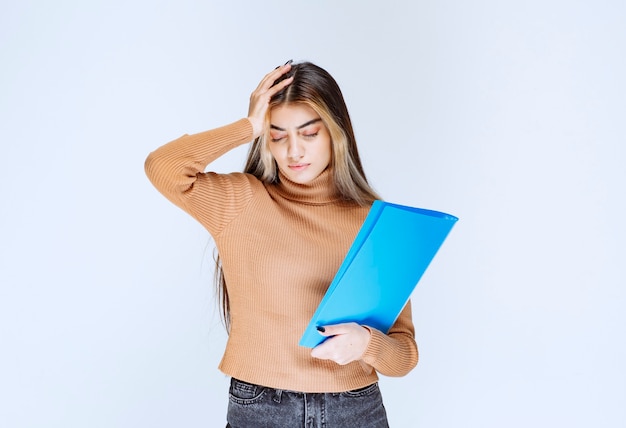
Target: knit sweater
(280,246)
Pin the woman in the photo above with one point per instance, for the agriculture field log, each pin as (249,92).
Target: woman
(282,228)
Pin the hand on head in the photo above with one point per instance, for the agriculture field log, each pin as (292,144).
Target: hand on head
(260,98)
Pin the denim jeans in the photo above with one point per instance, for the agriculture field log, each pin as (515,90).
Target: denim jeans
(255,406)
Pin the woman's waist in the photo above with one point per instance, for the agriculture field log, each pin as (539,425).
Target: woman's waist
(264,360)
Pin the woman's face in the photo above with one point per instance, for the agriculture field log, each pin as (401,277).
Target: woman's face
(299,142)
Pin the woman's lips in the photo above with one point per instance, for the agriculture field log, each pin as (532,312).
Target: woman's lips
(299,166)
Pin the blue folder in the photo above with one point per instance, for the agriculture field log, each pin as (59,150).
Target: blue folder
(389,255)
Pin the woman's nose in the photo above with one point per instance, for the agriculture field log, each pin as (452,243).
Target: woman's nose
(295,151)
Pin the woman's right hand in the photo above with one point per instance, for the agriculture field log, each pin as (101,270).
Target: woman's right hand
(260,98)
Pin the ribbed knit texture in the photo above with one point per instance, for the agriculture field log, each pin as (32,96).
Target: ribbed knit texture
(280,247)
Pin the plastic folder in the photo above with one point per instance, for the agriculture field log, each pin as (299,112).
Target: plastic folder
(389,255)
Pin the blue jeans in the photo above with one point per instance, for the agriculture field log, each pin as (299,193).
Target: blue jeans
(255,406)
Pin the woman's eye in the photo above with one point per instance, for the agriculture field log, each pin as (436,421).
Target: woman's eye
(313,135)
(277,139)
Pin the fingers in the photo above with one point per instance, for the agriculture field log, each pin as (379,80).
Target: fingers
(271,77)
(333,330)
(260,98)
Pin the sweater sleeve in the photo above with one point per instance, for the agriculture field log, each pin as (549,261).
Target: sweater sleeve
(394,353)
(177,171)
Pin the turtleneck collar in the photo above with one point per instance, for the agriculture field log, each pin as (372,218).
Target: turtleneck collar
(320,191)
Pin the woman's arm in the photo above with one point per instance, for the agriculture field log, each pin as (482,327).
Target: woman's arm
(177,171)
(175,167)
(392,354)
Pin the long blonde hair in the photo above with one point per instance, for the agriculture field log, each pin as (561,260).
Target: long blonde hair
(315,87)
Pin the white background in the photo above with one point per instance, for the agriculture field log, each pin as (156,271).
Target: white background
(509,115)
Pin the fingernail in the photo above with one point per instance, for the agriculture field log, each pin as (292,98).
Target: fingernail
(289,62)
(321,329)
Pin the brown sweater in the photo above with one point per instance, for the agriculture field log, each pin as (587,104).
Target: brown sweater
(280,247)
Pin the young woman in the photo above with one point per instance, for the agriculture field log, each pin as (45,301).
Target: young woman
(282,229)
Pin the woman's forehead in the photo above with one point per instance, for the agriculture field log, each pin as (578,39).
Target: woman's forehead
(292,115)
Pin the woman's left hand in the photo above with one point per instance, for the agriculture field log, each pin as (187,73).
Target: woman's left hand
(347,344)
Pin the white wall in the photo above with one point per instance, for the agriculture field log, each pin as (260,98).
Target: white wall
(509,115)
